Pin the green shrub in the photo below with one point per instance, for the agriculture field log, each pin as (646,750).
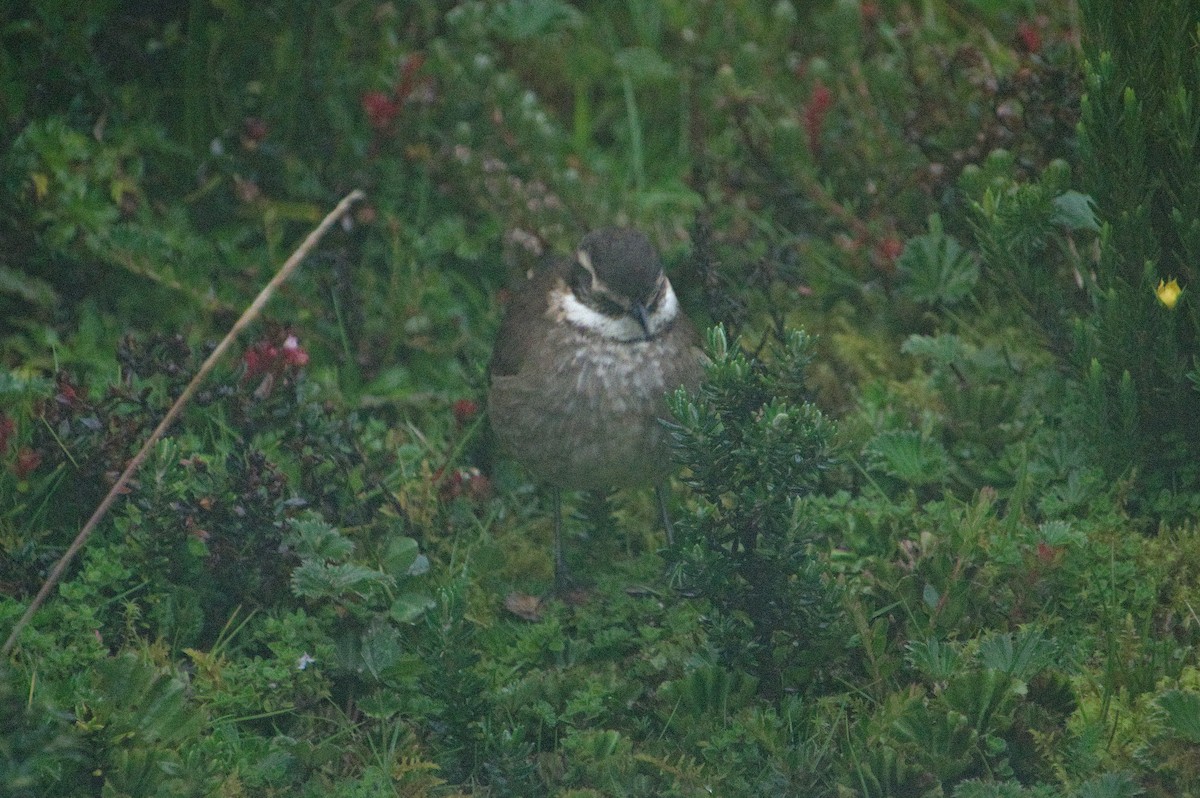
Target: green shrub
(987,592)
(755,448)
(1141,350)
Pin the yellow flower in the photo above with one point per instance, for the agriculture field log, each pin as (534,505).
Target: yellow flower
(41,185)
(1168,293)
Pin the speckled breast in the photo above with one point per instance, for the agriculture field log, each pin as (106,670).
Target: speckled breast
(587,416)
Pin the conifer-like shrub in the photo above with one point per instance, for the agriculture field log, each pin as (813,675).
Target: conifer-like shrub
(755,447)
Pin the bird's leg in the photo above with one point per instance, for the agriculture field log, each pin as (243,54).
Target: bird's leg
(562,579)
(660,490)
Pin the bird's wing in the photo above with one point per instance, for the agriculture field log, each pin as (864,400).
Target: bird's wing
(524,321)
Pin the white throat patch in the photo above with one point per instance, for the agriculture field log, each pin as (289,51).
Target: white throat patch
(566,307)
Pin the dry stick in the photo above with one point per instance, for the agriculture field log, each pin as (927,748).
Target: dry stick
(251,313)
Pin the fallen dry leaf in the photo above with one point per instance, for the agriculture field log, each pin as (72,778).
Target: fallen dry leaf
(524,606)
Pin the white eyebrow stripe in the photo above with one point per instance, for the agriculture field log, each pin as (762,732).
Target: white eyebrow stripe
(620,328)
(585,260)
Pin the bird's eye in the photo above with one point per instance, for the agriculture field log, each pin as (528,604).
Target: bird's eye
(652,305)
(607,306)
(581,281)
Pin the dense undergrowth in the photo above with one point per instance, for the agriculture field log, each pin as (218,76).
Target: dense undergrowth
(945,541)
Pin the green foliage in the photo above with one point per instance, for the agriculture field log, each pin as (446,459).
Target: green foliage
(1138,142)
(755,449)
(38,746)
(988,592)
(140,719)
(905,455)
(936,268)
(1027,232)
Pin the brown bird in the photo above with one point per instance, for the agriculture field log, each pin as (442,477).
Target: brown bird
(587,352)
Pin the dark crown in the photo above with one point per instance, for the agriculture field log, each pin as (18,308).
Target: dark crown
(624,261)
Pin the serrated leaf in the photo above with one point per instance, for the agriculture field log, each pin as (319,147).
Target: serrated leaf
(381,704)
(1110,785)
(1183,713)
(941,349)
(312,537)
(936,659)
(322,580)
(381,648)
(907,456)
(1020,655)
(936,268)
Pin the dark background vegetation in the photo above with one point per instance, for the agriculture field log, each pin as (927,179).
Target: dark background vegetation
(938,501)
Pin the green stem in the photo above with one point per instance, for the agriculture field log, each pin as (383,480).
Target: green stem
(635,134)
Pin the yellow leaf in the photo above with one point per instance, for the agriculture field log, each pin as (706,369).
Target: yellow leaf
(41,185)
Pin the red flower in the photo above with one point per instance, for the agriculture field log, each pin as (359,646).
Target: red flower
(254,130)
(259,359)
(381,109)
(887,250)
(466,482)
(814,115)
(270,361)
(292,353)
(69,394)
(1029,38)
(27,461)
(408,76)
(479,487)
(1048,554)
(464,410)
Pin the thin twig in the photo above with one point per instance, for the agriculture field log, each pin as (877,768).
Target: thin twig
(248,316)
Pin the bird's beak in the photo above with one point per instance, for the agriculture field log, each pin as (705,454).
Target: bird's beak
(639,312)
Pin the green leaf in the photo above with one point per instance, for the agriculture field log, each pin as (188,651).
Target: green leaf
(941,349)
(936,659)
(1021,655)
(1008,789)
(909,457)
(381,704)
(320,580)
(1110,785)
(382,649)
(981,695)
(518,20)
(409,607)
(26,287)
(400,556)
(1183,713)
(643,65)
(1077,211)
(313,538)
(936,268)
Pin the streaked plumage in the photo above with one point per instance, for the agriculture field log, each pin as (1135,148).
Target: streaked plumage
(587,352)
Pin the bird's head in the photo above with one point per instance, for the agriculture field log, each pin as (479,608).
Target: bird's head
(617,275)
